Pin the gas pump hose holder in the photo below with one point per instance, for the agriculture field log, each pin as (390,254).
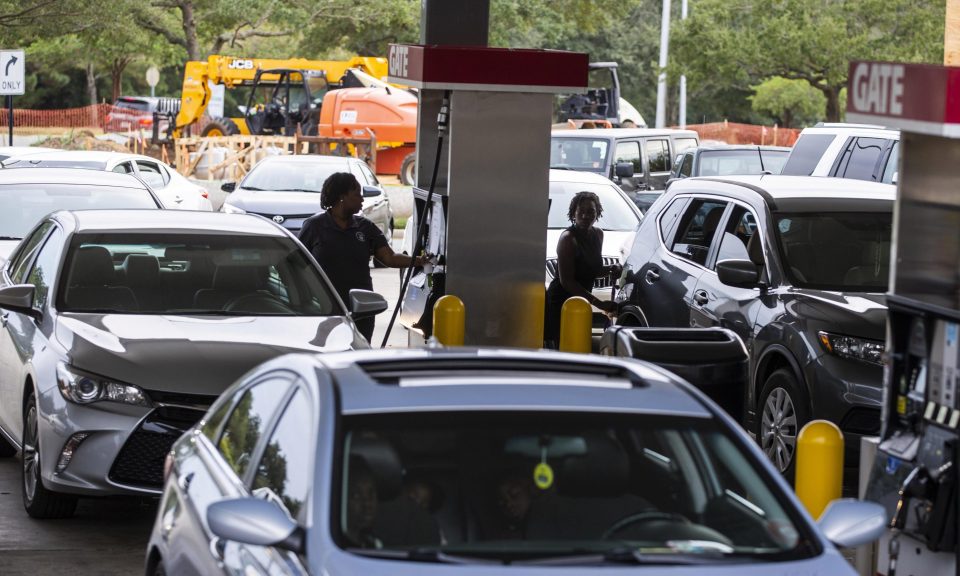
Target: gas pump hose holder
(819,474)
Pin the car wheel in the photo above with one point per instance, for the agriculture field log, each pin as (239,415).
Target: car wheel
(783,413)
(408,169)
(220,127)
(37,500)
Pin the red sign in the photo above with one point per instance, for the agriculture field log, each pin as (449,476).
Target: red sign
(487,69)
(914,97)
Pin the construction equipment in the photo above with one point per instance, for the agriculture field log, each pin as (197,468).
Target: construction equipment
(601,104)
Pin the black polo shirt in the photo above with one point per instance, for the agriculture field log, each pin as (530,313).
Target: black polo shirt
(343,253)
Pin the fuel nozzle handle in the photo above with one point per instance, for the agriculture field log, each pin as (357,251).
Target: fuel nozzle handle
(915,484)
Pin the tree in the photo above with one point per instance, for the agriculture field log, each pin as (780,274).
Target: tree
(739,43)
(789,101)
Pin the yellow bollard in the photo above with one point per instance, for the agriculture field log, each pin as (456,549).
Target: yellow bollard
(576,325)
(819,473)
(448,321)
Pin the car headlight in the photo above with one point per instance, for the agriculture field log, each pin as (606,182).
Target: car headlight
(85,389)
(870,351)
(231,209)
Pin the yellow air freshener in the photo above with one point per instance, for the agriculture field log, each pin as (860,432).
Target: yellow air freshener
(543,476)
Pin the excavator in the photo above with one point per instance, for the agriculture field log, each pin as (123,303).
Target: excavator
(336,99)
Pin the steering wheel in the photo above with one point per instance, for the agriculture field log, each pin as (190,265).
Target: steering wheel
(257,302)
(642,518)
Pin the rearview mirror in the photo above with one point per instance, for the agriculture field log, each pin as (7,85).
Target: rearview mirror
(371,191)
(364,303)
(228,186)
(255,522)
(18,298)
(624,169)
(739,273)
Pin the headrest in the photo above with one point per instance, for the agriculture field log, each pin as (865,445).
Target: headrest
(711,220)
(237,278)
(382,460)
(755,249)
(604,471)
(141,269)
(92,266)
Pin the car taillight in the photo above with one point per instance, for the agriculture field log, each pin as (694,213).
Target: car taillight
(146,121)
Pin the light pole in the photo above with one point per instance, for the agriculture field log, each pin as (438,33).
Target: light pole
(662,78)
(683,78)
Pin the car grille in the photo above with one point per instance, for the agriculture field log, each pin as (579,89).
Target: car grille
(861,421)
(140,462)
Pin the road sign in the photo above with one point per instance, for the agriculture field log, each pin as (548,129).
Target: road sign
(12,72)
(153,76)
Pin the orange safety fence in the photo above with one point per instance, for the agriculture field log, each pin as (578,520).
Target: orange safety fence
(733,133)
(84,117)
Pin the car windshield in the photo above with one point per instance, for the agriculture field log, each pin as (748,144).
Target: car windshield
(193,274)
(617,213)
(723,162)
(578,154)
(283,176)
(836,251)
(23,205)
(573,487)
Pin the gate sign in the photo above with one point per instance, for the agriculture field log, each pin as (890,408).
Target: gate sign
(12,72)
(920,98)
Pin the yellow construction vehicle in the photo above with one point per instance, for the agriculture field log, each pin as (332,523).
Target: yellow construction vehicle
(282,94)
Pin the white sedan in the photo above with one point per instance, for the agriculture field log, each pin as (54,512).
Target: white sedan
(175,191)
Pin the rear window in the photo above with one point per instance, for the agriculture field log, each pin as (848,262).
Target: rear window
(806,154)
(139,105)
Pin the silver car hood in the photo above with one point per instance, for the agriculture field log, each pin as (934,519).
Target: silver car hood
(193,354)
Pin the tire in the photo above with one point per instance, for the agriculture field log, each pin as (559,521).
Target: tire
(37,500)
(408,169)
(220,127)
(783,411)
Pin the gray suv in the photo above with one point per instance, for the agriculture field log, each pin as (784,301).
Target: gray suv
(798,268)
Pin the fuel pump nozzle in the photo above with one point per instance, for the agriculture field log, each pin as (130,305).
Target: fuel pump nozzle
(914,485)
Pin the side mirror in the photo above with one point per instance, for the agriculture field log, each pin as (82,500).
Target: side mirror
(739,273)
(364,303)
(228,186)
(624,169)
(256,522)
(849,523)
(18,298)
(371,191)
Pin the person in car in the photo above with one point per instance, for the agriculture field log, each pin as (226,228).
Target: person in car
(342,242)
(579,263)
(361,505)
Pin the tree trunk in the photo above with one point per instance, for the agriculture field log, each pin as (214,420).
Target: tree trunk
(92,94)
(833,103)
(190,30)
(116,74)
(787,120)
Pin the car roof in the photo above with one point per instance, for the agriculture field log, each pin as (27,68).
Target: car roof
(160,221)
(83,155)
(784,193)
(309,158)
(704,147)
(80,176)
(578,177)
(622,132)
(471,379)
(841,129)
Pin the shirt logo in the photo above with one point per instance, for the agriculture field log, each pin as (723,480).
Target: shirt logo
(361,237)
(278,219)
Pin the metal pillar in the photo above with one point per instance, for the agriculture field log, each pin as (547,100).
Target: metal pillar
(683,78)
(662,78)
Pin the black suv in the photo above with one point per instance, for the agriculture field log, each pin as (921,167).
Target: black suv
(798,268)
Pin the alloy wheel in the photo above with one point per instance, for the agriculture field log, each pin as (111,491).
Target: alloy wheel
(778,428)
(31,455)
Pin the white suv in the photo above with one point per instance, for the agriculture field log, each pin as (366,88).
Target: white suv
(860,151)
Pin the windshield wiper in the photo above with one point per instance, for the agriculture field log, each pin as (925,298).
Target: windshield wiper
(421,555)
(637,556)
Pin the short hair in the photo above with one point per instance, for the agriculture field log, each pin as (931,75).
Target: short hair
(581,197)
(335,187)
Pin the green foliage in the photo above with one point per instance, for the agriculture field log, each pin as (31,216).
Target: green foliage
(789,102)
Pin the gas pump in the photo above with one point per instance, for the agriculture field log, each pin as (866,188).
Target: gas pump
(915,471)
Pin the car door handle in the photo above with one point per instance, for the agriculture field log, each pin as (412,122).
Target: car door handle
(700,297)
(652,275)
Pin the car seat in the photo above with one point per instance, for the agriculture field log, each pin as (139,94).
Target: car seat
(229,282)
(142,274)
(92,278)
(875,270)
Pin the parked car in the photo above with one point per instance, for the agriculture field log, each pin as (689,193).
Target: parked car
(135,113)
(286,189)
(465,461)
(798,268)
(859,151)
(639,160)
(10,151)
(175,191)
(727,159)
(120,328)
(619,223)
(26,196)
